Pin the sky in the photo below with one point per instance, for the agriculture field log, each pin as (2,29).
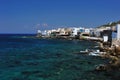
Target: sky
(26,16)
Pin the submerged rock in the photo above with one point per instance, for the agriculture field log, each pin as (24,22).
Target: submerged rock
(101,67)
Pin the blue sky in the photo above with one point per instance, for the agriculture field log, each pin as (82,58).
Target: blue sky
(26,16)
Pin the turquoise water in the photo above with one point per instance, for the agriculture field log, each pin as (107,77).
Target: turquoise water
(47,59)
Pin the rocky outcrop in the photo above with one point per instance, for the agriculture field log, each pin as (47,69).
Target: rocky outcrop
(113,53)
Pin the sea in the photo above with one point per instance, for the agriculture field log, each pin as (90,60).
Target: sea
(24,57)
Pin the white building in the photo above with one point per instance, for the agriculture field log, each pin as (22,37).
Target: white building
(105,38)
(62,31)
(48,32)
(87,30)
(82,29)
(75,31)
(118,31)
(38,31)
(44,32)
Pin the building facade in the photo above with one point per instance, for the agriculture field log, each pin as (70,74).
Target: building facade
(118,31)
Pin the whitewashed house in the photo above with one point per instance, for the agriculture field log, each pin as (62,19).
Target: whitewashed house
(62,31)
(49,32)
(87,30)
(118,31)
(75,31)
(44,33)
(38,31)
(82,29)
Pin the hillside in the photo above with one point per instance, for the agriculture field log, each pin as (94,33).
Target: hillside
(111,24)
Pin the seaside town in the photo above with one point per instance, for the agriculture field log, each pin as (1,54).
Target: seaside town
(59,39)
(108,37)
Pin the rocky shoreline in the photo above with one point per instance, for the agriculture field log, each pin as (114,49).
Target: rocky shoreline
(112,53)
